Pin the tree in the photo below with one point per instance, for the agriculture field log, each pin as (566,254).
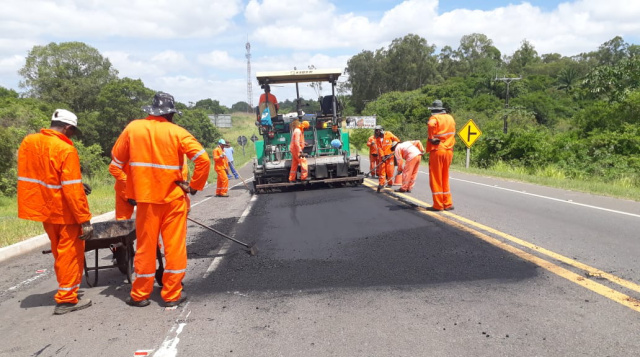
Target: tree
(367,77)
(612,52)
(241,107)
(410,64)
(477,54)
(210,106)
(199,125)
(523,57)
(70,72)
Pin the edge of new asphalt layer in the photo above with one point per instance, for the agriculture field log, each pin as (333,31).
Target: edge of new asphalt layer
(41,241)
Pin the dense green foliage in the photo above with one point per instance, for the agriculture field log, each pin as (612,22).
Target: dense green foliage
(579,115)
(75,76)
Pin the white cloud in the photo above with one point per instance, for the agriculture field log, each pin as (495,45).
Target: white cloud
(221,60)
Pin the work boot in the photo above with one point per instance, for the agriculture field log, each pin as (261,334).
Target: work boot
(450,208)
(389,184)
(141,303)
(65,307)
(183,298)
(401,190)
(380,187)
(222,195)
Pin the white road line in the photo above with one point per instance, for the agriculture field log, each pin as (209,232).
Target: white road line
(169,347)
(27,281)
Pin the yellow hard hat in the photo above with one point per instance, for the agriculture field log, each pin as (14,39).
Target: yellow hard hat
(305,124)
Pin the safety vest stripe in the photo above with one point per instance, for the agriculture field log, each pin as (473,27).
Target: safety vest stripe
(442,193)
(115,164)
(118,161)
(69,289)
(445,134)
(198,155)
(145,275)
(38,182)
(71,182)
(156,166)
(175,271)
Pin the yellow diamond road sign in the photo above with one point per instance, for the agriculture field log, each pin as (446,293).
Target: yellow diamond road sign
(469,133)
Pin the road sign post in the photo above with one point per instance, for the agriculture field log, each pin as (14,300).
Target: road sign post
(469,134)
(242,140)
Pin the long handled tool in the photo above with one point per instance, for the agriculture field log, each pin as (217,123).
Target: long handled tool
(251,249)
(245,184)
(384,158)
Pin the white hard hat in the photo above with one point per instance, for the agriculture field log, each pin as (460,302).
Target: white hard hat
(65,116)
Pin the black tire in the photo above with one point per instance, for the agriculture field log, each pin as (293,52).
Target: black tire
(120,255)
(88,279)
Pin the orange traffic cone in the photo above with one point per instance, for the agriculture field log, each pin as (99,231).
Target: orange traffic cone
(397,181)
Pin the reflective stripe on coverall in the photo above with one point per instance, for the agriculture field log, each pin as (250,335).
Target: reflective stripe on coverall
(154,148)
(411,153)
(124,209)
(221,166)
(296,146)
(443,127)
(50,191)
(385,170)
(374,158)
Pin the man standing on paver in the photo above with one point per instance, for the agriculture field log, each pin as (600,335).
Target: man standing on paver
(50,191)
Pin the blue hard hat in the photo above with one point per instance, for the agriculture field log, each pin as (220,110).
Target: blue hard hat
(336,143)
(222,142)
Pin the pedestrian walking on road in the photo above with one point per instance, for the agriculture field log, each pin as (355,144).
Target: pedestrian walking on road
(155,148)
(408,156)
(440,142)
(221,166)
(228,152)
(50,191)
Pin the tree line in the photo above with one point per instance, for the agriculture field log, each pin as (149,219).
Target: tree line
(578,116)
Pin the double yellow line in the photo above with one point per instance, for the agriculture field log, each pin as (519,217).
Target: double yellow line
(474,228)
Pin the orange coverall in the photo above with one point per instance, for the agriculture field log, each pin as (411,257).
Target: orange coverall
(272,100)
(296,146)
(411,153)
(50,191)
(442,127)
(154,148)
(221,166)
(124,209)
(374,158)
(385,170)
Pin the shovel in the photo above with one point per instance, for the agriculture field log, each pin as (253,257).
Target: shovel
(251,249)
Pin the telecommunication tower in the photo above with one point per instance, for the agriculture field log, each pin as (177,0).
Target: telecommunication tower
(249,89)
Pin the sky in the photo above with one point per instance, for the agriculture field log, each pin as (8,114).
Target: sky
(195,49)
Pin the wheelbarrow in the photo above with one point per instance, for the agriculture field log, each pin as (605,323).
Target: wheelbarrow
(118,236)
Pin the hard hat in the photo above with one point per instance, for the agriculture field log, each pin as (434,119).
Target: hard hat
(336,143)
(222,142)
(379,131)
(305,124)
(65,116)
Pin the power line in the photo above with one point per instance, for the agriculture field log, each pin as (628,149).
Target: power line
(508,81)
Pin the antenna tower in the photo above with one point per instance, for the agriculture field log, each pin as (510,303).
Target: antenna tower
(249,89)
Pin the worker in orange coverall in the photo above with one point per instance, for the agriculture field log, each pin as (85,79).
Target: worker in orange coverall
(221,166)
(50,191)
(440,142)
(384,141)
(296,146)
(124,205)
(154,148)
(408,155)
(374,158)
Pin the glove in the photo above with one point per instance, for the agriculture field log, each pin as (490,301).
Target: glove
(434,141)
(87,231)
(87,188)
(399,171)
(132,201)
(184,185)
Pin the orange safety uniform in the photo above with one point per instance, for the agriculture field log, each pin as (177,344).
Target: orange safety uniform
(443,127)
(272,100)
(124,209)
(408,155)
(385,170)
(296,146)
(154,148)
(50,191)
(222,167)
(374,158)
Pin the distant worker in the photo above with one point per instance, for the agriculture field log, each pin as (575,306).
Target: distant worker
(440,142)
(221,166)
(384,141)
(267,96)
(228,152)
(374,158)
(296,147)
(50,191)
(124,205)
(155,149)
(408,155)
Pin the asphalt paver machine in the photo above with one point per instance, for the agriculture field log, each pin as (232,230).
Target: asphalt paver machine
(328,162)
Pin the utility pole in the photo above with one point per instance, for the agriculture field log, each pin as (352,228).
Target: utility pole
(249,87)
(508,81)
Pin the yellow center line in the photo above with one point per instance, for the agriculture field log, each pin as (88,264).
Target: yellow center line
(598,288)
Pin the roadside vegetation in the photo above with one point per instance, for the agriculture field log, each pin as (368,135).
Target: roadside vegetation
(564,121)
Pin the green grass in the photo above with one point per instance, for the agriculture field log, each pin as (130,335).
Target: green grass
(242,124)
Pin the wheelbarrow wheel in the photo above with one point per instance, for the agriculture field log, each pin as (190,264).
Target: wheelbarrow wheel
(120,255)
(129,254)
(91,282)
(160,269)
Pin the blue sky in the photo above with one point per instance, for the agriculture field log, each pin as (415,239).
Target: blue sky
(195,49)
